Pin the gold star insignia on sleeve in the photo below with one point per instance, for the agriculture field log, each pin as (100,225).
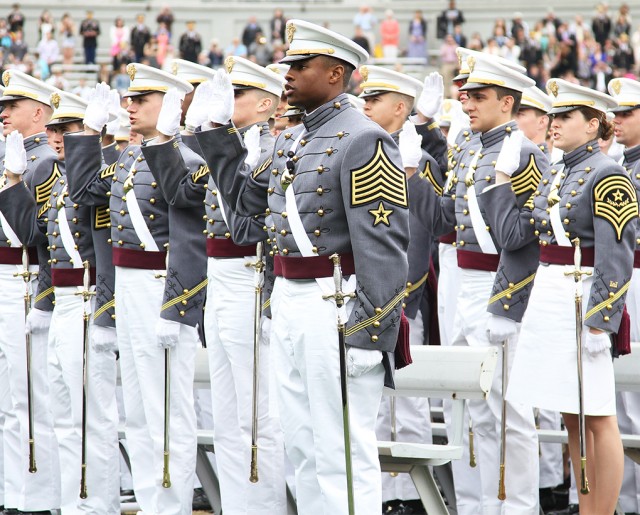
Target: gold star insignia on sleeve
(381,215)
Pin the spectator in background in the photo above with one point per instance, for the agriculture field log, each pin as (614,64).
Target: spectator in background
(18,47)
(277,25)
(622,25)
(624,59)
(417,36)
(635,44)
(250,31)
(237,48)
(45,23)
(361,39)
(367,21)
(82,89)
(90,30)
(163,39)
(48,50)
(475,42)
(121,80)
(550,22)
(67,31)
(215,54)
(151,53)
(601,24)
(459,37)
(579,29)
(390,35)
(119,38)
(166,17)
(511,51)
(261,50)
(448,19)
(140,36)
(58,79)
(15,18)
(190,43)
(448,59)
(518,23)
(5,36)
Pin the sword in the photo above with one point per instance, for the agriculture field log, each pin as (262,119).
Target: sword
(503,422)
(339,297)
(26,276)
(258,283)
(577,274)
(394,425)
(86,294)
(472,452)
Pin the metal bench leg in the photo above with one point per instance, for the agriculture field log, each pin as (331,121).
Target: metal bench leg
(445,478)
(428,490)
(209,480)
(292,508)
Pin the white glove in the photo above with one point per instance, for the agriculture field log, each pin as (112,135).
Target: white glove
(197,114)
(97,113)
(596,343)
(500,329)
(103,339)
(114,108)
(252,144)
(167,333)
(459,119)
(38,321)
(170,113)
(430,101)
(509,158)
(409,143)
(360,361)
(15,157)
(220,103)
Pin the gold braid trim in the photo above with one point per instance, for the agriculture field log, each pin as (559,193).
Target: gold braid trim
(44,294)
(512,289)
(266,304)
(610,300)
(184,296)
(103,308)
(415,286)
(378,316)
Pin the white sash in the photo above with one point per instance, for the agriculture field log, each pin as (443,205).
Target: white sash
(305,246)
(65,234)
(222,211)
(139,225)
(478,223)
(554,215)
(9,233)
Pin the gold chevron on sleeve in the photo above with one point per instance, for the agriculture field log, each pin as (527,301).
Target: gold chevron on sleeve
(265,164)
(102,217)
(615,201)
(184,296)
(378,179)
(512,289)
(427,174)
(103,308)
(43,190)
(109,171)
(44,294)
(44,209)
(199,173)
(528,179)
(378,316)
(607,302)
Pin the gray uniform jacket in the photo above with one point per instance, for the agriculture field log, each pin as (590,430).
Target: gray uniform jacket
(598,204)
(351,195)
(91,182)
(40,177)
(631,164)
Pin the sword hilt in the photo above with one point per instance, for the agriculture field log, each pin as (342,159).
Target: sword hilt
(25,274)
(86,283)
(258,265)
(339,295)
(472,452)
(584,482)
(577,272)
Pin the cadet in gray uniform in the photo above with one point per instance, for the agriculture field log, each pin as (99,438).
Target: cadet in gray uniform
(626,129)
(26,109)
(318,197)
(389,98)
(69,233)
(590,197)
(231,241)
(171,310)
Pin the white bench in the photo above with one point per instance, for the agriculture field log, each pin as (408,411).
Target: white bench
(456,373)
(627,372)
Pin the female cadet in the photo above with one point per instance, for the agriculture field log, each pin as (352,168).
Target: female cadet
(586,196)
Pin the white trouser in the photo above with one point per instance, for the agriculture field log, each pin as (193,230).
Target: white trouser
(628,409)
(413,424)
(66,338)
(23,490)
(551,464)
(522,458)
(229,331)
(142,363)
(305,339)
(466,480)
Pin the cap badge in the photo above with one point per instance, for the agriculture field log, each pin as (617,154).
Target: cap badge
(55,100)
(553,88)
(447,106)
(616,86)
(131,71)
(364,73)
(174,68)
(228,63)
(471,61)
(459,54)
(6,76)
(291,30)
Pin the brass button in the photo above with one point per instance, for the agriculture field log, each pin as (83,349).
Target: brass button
(285,251)
(320,212)
(606,318)
(374,338)
(152,200)
(284,214)
(227,235)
